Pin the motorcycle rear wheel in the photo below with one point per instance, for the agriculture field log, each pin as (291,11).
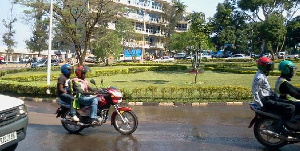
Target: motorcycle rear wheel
(129,125)
(266,140)
(74,129)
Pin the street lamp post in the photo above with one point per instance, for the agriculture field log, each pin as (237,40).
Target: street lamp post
(144,23)
(49,48)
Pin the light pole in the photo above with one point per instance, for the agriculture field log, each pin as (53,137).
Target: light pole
(144,23)
(49,48)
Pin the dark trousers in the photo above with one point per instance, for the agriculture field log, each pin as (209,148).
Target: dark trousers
(285,108)
(68,99)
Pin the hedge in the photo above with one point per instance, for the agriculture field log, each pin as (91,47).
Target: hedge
(14,85)
(154,93)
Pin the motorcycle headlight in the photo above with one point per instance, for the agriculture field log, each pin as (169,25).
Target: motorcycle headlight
(23,110)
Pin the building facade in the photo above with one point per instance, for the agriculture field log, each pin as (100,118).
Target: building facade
(147,17)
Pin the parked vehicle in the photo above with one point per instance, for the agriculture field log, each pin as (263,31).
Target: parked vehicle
(164,59)
(238,56)
(43,63)
(292,56)
(180,56)
(123,119)
(265,123)
(255,55)
(205,56)
(13,122)
(91,59)
(281,55)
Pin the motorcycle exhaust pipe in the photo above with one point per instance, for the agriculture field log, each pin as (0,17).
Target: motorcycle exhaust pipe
(73,123)
(273,134)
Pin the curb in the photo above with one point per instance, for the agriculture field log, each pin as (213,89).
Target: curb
(47,100)
(176,104)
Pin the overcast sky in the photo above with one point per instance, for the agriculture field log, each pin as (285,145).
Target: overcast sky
(23,31)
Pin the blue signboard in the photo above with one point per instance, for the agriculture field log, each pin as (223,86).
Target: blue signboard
(133,52)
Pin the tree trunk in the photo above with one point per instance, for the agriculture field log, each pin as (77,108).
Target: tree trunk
(79,54)
(262,47)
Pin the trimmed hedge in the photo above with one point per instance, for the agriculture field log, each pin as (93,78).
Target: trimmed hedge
(191,93)
(14,85)
(197,93)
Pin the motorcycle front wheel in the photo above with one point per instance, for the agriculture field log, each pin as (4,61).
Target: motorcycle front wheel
(264,126)
(72,128)
(126,124)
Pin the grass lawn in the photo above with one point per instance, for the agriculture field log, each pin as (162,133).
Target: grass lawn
(168,78)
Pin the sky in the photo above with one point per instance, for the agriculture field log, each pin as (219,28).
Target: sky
(23,29)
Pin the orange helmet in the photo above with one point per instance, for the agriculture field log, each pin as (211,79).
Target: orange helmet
(81,70)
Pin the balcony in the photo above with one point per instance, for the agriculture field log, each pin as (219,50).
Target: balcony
(141,5)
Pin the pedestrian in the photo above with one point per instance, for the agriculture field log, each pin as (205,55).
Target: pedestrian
(29,61)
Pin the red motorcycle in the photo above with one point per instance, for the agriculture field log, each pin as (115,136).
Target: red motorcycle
(123,119)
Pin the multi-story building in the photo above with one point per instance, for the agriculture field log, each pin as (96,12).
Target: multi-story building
(147,18)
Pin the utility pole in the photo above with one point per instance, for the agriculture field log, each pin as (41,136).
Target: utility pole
(144,32)
(49,48)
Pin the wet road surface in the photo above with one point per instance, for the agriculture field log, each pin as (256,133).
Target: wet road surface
(160,129)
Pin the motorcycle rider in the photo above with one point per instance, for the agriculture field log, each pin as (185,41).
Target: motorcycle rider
(265,97)
(283,88)
(85,92)
(64,89)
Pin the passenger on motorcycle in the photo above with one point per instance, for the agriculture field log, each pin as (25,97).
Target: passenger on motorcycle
(265,97)
(283,88)
(64,89)
(85,92)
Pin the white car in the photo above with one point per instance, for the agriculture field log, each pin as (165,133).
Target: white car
(238,56)
(164,59)
(291,56)
(13,122)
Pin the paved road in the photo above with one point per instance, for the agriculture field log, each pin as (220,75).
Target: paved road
(160,129)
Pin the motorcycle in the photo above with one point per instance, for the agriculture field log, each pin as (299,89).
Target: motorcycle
(265,123)
(122,118)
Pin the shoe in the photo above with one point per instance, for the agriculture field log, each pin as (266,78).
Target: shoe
(99,119)
(75,118)
(94,121)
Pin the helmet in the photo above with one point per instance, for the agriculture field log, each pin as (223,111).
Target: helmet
(81,70)
(66,69)
(265,64)
(287,68)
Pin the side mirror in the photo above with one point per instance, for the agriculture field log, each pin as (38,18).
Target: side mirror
(93,81)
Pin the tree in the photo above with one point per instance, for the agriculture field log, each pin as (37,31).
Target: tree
(108,45)
(268,7)
(293,34)
(38,41)
(79,20)
(8,37)
(228,27)
(173,14)
(126,32)
(274,31)
(200,35)
(284,9)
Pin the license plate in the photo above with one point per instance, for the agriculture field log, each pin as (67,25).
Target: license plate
(8,137)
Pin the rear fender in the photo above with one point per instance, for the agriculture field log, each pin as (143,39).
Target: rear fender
(60,111)
(121,110)
(254,119)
